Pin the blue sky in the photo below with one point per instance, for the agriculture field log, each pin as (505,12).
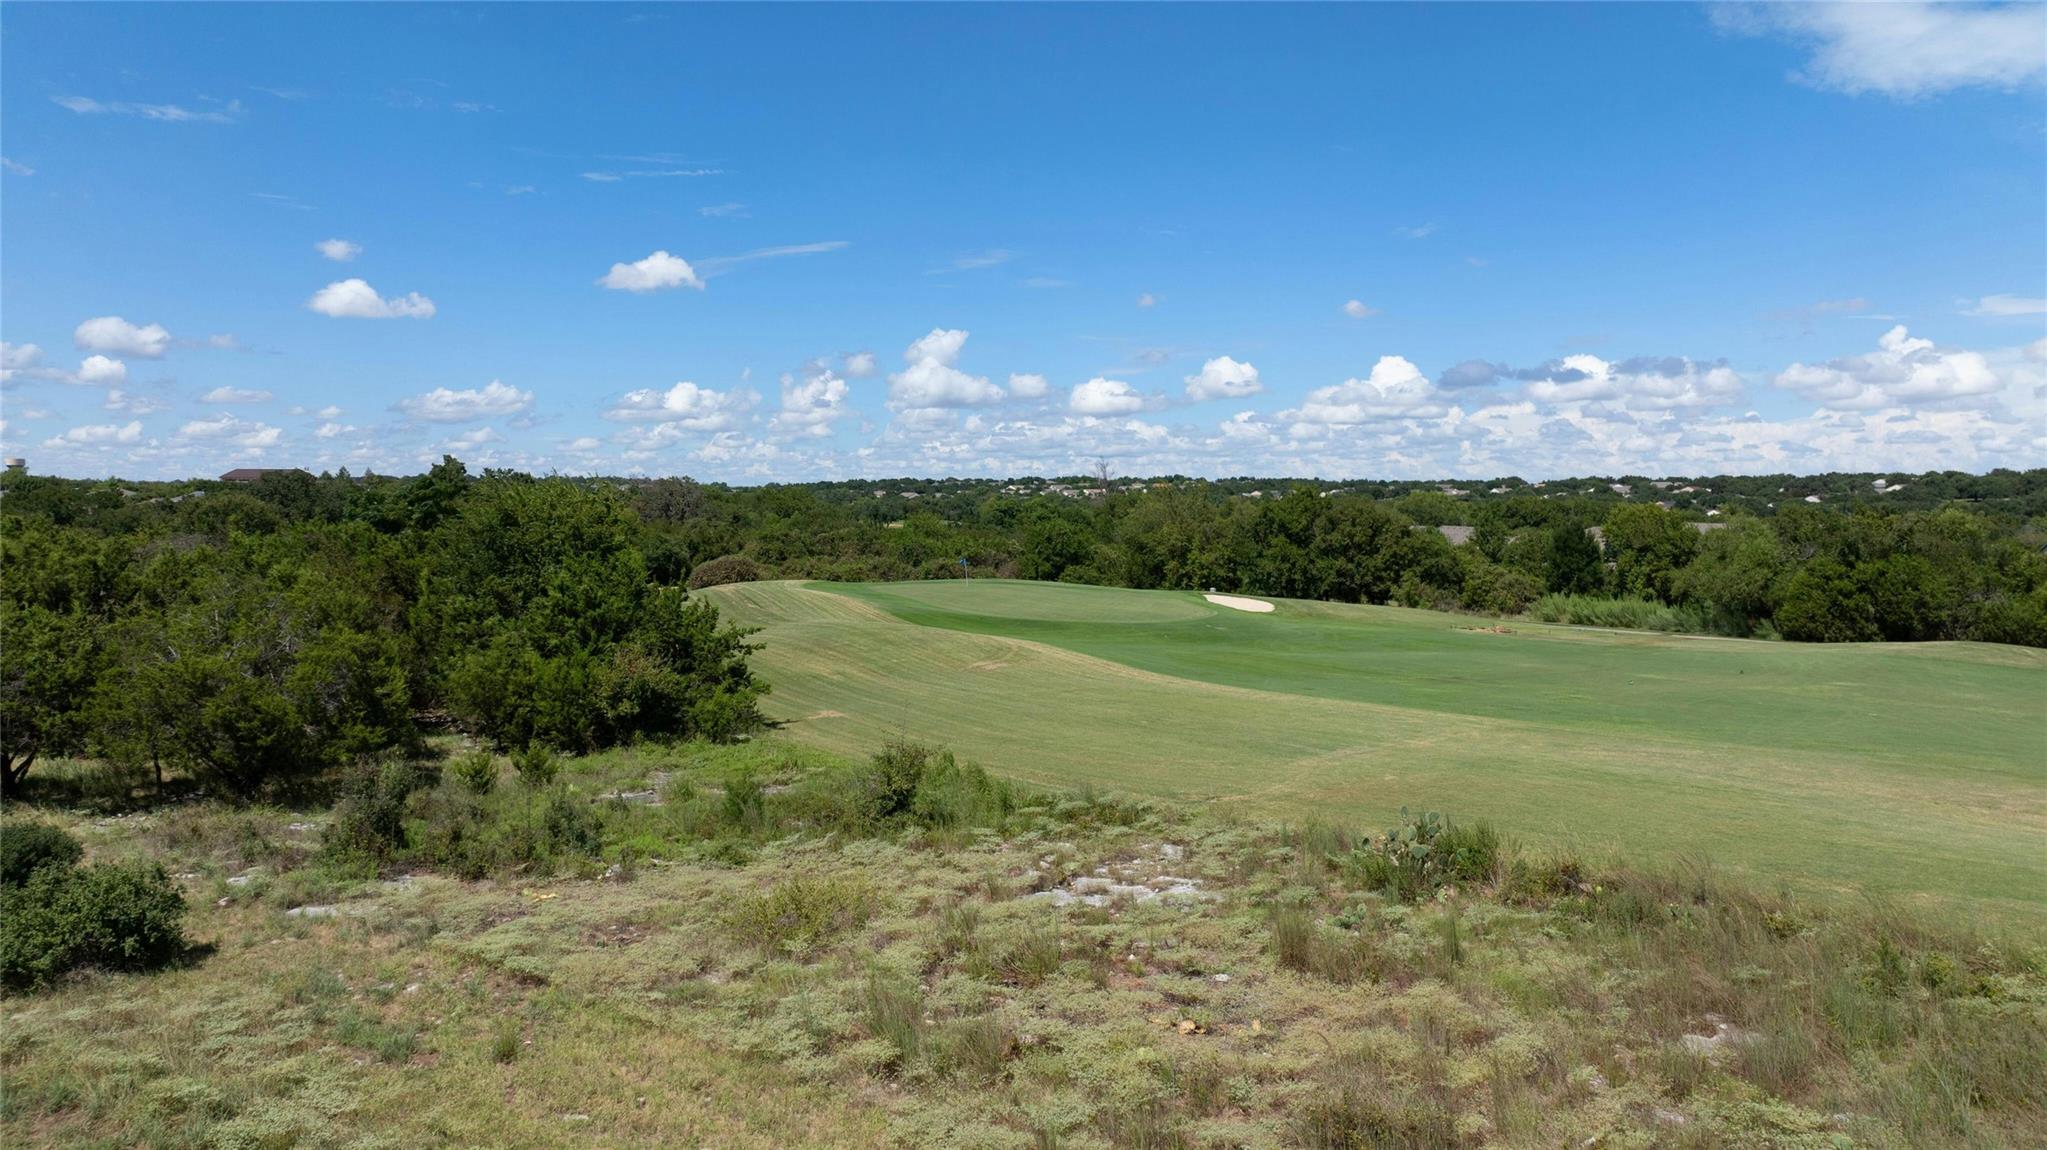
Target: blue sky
(753,243)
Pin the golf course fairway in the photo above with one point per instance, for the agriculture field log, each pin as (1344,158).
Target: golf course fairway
(1916,772)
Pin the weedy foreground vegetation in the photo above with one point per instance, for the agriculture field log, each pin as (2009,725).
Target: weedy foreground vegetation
(763,945)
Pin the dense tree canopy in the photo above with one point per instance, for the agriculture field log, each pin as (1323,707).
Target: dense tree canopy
(243,632)
(244,637)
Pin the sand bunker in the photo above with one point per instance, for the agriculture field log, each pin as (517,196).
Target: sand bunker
(1239,602)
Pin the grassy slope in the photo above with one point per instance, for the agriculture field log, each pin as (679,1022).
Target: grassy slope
(1828,767)
(634,1011)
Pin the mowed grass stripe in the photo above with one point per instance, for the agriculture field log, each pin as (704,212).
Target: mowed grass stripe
(1967,707)
(847,675)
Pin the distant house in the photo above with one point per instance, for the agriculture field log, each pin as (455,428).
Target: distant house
(252,474)
(1457,534)
(1702,528)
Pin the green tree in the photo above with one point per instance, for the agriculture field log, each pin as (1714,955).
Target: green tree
(51,661)
(1648,546)
(1575,565)
(1823,603)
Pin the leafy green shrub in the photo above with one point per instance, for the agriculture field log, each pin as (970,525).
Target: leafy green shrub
(369,821)
(890,783)
(474,835)
(722,570)
(1469,852)
(536,764)
(801,912)
(121,916)
(27,846)
(570,826)
(478,771)
(950,796)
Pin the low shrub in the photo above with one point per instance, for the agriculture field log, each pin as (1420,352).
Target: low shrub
(119,916)
(369,820)
(799,913)
(889,786)
(537,765)
(722,570)
(477,770)
(27,846)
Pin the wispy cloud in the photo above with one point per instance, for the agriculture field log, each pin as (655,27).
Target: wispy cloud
(717,265)
(284,201)
(1905,50)
(16,168)
(723,211)
(2006,306)
(985,259)
(604,177)
(1418,231)
(168,113)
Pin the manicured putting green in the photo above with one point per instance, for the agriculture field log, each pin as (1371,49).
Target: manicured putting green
(1913,770)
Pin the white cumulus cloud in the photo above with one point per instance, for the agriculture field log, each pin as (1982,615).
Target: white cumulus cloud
(112,335)
(1224,378)
(1358,309)
(1028,385)
(128,432)
(447,405)
(99,370)
(691,407)
(811,402)
(1394,389)
(931,379)
(1902,370)
(1100,396)
(655,273)
(356,299)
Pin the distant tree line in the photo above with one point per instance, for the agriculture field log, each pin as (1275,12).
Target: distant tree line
(243,637)
(244,632)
